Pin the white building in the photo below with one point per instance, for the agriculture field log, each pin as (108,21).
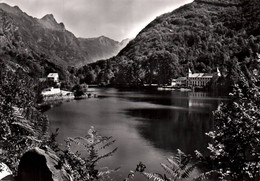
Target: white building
(198,79)
(51,91)
(174,82)
(181,81)
(53,77)
(194,79)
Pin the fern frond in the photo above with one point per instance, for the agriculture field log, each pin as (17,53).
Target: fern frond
(99,140)
(102,173)
(186,173)
(23,125)
(179,157)
(107,145)
(153,176)
(32,138)
(174,165)
(198,154)
(172,173)
(184,162)
(73,140)
(205,175)
(105,155)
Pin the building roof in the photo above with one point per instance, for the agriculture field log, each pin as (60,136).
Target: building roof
(42,79)
(200,75)
(182,78)
(51,91)
(53,75)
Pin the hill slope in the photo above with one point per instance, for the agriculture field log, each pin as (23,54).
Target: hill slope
(47,37)
(201,35)
(44,36)
(101,47)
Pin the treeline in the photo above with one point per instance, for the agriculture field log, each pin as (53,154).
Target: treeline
(198,36)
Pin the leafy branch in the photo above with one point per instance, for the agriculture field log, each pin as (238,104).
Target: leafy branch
(178,167)
(82,163)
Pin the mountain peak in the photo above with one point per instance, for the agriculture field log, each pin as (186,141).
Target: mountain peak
(102,37)
(49,17)
(10,9)
(105,40)
(48,21)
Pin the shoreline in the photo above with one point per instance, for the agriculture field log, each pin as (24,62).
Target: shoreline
(53,101)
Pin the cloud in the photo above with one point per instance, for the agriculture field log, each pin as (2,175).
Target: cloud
(117,19)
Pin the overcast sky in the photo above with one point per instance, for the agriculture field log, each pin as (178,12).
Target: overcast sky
(117,19)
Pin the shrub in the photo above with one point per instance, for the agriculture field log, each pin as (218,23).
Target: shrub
(81,163)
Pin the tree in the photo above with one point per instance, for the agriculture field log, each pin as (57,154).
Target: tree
(82,163)
(78,91)
(235,151)
(21,125)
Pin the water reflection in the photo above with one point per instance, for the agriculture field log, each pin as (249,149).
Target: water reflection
(171,129)
(147,125)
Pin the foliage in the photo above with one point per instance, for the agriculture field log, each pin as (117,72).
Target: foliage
(235,150)
(78,91)
(178,167)
(200,35)
(21,125)
(82,154)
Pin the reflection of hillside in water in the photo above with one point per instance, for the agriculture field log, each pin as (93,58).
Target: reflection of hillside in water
(179,121)
(170,129)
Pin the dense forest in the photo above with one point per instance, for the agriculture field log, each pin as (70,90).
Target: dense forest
(202,36)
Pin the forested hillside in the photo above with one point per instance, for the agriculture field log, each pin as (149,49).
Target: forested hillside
(43,36)
(48,38)
(22,62)
(203,35)
(102,47)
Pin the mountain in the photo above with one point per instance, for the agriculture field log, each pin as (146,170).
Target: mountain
(101,47)
(21,64)
(47,37)
(44,36)
(202,36)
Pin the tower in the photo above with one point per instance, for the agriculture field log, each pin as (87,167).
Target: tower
(190,73)
(188,82)
(218,72)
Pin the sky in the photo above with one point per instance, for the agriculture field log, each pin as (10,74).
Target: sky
(116,19)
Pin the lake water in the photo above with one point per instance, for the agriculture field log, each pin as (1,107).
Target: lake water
(148,126)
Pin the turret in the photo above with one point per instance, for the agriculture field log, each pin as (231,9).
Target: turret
(190,73)
(218,72)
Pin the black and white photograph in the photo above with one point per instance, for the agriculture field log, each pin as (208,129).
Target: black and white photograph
(129,90)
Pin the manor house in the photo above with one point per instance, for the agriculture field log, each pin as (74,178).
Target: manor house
(195,79)
(200,79)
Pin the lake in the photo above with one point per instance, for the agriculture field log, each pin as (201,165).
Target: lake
(148,126)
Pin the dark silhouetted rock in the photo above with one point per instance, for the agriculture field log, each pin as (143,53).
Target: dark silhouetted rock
(39,165)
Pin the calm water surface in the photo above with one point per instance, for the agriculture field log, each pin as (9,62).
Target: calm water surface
(148,125)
